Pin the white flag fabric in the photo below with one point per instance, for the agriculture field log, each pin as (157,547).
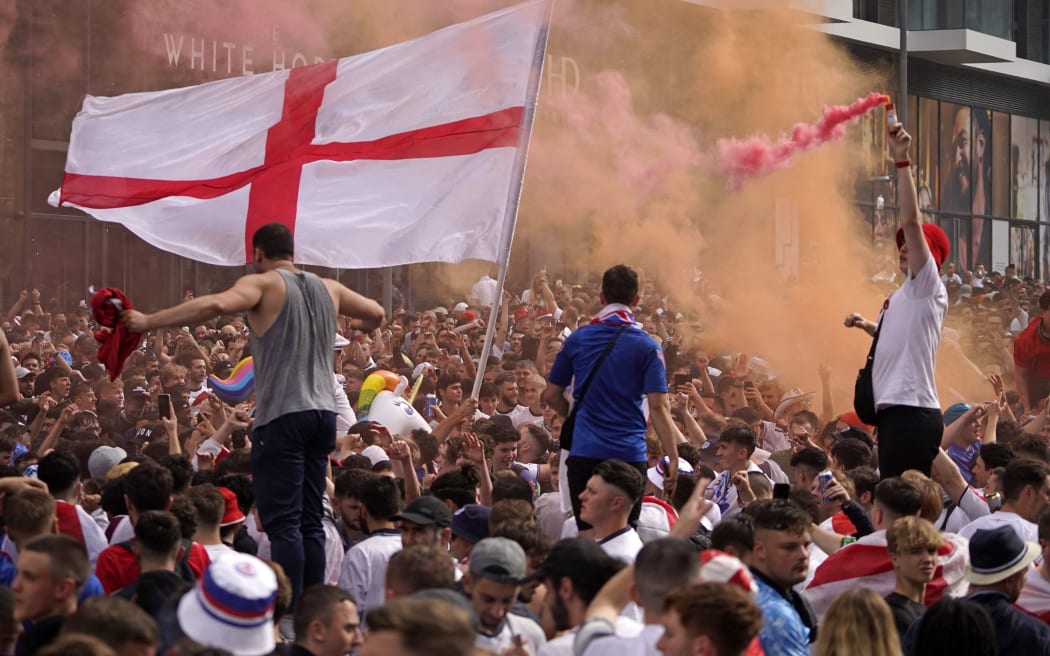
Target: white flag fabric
(405,154)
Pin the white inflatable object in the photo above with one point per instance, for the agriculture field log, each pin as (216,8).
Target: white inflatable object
(396,413)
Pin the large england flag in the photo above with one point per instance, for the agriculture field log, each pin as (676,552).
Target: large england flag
(412,153)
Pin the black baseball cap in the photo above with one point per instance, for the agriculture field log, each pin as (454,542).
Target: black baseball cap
(578,559)
(426,511)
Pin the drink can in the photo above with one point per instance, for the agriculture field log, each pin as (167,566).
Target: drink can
(823,479)
(432,401)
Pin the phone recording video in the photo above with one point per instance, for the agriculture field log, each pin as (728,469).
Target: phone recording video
(164,406)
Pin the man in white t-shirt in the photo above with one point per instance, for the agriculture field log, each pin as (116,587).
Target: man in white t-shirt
(1026,495)
(507,405)
(1035,596)
(364,567)
(573,573)
(908,409)
(612,491)
(493,581)
(735,447)
(660,568)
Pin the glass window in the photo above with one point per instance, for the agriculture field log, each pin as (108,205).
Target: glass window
(1044,171)
(1022,249)
(927,154)
(1000,148)
(1024,174)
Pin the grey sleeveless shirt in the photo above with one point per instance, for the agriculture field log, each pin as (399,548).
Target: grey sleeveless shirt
(294,360)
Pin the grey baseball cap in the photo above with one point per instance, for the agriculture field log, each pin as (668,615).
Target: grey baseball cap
(498,559)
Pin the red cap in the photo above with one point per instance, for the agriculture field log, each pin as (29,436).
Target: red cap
(936,239)
(468,316)
(522,312)
(232,514)
(852,419)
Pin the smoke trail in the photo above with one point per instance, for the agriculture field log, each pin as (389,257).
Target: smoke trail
(758,155)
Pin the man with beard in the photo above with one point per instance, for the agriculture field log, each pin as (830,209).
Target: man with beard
(573,573)
(966,180)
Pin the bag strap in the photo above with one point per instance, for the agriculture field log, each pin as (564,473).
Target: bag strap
(597,365)
(875,340)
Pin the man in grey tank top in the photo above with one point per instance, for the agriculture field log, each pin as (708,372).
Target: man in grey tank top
(292,316)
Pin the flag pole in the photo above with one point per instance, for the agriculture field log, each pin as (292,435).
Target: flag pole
(510,216)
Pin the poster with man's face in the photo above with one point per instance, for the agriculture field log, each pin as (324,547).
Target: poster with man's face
(965,177)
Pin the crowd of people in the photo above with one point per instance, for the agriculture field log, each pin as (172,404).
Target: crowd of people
(612,487)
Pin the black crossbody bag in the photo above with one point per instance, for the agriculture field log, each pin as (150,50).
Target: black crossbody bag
(864,388)
(565,441)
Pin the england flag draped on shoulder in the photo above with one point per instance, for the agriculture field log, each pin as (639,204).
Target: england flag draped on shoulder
(411,153)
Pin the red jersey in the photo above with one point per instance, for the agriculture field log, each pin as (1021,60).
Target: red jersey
(117,566)
(1032,352)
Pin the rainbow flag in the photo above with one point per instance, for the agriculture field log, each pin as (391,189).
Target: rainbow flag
(238,386)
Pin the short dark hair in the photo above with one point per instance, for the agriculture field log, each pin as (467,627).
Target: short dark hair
(114,620)
(59,470)
(898,496)
(864,480)
(488,390)
(427,626)
(460,486)
(158,533)
(660,567)
(740,436)
(381,497)
(808,417)
(851,453)
(349,482)
(68,557)
(956,626)
(622,476)
(500,434)
(736,531)
(275,241)
(724,613)
(507,485)
(779,515)
(810,457)
(209,502)
(996,455)
(1044,301)
(1021,473)
(420,567)
(181,469)
(1032,447)
(504,378)
(318,603)
(620,284)
(747,414)
(149,487)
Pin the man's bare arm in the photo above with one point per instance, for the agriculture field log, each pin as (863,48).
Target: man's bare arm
(366,314)
(554,396)
(243,296)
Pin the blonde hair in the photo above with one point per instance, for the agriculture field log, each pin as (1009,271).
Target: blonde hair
(911,534)
(932,503)
(858,623)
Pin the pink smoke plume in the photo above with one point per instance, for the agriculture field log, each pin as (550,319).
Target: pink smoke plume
(758,155)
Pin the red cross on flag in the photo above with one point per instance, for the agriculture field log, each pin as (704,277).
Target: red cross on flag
(412,153)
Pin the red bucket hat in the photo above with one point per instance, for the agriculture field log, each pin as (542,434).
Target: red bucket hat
(936,239)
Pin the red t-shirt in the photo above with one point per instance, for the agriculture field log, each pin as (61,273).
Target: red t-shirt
(1032,352)
(117,566)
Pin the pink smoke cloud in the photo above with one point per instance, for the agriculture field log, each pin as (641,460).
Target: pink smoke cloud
(759,155)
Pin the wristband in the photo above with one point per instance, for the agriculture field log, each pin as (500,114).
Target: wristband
(903,164)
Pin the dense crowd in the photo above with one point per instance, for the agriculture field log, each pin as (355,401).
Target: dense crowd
(140,531)
(611,486)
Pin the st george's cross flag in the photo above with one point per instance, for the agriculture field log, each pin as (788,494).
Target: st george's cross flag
(412,153)
(866,564)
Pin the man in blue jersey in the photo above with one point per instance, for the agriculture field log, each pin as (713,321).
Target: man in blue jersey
(611,422)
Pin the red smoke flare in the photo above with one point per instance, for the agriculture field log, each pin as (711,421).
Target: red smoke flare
(758,155)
